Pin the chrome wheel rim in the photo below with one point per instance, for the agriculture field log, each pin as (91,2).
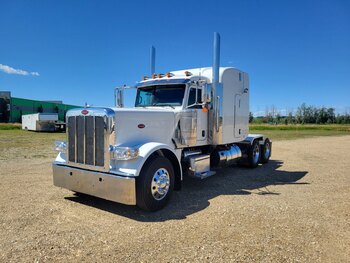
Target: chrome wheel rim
(160,184)
(256,153)
(267,150)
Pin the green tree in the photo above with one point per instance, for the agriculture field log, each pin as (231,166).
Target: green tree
(251,117)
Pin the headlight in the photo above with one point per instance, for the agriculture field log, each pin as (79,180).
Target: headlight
(61,146)
(123,153)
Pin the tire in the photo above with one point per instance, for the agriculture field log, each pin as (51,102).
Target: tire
(266,151)
(155,184)
(254,154)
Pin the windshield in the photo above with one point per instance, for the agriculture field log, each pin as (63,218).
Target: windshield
(160,95)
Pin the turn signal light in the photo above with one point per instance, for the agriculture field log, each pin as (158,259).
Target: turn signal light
(61,146)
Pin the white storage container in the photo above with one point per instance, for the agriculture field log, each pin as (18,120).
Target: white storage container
(39,121)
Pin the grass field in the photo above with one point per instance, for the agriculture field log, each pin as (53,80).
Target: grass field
(10,126)
(21,144)
(289,132)
(12,138)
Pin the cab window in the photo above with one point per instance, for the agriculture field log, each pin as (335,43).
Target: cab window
(193,101)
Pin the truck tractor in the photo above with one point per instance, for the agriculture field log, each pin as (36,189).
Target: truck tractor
(184,123)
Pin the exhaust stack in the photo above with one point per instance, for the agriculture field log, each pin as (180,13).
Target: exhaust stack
(153,59)
(216,62)
(216,90)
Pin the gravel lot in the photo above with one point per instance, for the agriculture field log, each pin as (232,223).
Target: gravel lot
(295,209)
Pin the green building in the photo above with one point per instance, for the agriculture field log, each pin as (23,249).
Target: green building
(12,109)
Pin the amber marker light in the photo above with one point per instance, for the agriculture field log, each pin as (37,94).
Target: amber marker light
(169,75)
(187,73)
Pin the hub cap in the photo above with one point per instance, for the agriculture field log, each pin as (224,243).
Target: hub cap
(160,184)
(256,153)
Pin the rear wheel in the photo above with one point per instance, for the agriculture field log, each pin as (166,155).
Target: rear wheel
(155,184)
(265,151)
(254,154)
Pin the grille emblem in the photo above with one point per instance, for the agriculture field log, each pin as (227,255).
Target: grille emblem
(84,112)
(141,126)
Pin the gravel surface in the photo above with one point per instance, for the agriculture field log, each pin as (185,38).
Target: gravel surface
(294,209)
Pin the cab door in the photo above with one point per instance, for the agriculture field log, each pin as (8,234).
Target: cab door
(238,125)
(195,103)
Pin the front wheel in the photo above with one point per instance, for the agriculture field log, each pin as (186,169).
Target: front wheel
(155,184)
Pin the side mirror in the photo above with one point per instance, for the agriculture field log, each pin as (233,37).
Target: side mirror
(119,94)
(119,97)
(206,94)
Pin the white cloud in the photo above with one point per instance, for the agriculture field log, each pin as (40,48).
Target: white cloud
(9,70)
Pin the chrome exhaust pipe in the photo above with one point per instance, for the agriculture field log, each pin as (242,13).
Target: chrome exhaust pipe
(215,109)
(153,60)
(216,61)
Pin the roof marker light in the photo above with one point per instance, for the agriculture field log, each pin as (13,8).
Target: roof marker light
(153,76)
(187,73)
(169,75)
(160,75)
(144,78)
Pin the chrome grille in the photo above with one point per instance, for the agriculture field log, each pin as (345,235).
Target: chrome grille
(86,140)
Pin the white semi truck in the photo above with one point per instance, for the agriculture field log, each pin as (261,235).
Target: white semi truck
(186,122)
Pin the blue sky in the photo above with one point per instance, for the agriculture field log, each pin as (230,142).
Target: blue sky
(77,51)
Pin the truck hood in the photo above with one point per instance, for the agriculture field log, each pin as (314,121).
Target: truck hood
(136,126)
(148,109)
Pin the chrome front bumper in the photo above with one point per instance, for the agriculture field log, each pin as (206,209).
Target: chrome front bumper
(107,186)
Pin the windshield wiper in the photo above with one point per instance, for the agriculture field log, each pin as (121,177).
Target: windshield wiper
(163,104)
